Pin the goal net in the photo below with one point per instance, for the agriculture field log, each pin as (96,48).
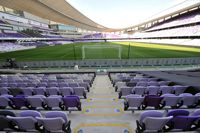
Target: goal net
(101,52)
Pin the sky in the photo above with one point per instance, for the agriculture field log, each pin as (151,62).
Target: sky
(125,13)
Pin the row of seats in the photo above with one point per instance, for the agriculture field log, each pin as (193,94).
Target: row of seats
(152,90)
(174,120)
(40,102)
(44,84)
(29,91)
(158,102)
(118,85)
(34,80)
(33,121)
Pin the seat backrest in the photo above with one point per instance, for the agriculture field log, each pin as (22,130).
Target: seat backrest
(71,101)
(31,113)
(66,91)
(135,101)
(55,114)
(178,112)
(166,89)
(52,124)
(79,91)
(53,101)
(153,90)
(152,100)
(151,113)
(156,123)
(184,122)
(139,90)
(24,123)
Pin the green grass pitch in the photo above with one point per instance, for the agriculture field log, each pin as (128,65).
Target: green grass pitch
(137,50)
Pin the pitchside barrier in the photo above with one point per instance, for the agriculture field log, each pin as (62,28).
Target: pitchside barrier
(109,63)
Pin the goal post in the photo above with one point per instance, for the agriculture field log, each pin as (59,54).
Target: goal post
(101,51)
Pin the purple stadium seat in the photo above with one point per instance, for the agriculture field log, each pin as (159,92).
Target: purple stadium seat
(151,121)
(178,89)
(18,102)
(55,122)
(71,102)
(152,101)
(80,91)
(188,100)
(53,101)
(166,89)
(152,90)
(52,91)
(27,91)
(140,90)
(142,83)
(170,100)
(5,101)
(40,91)
(73,85)
(85,85)
(133,101)
(36,101)
(63,84)
(66,91)
(26,121)
(125,91)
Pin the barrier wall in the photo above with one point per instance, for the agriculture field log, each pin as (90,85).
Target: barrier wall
(110,63)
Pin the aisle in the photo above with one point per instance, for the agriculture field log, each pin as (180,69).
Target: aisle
(103,111)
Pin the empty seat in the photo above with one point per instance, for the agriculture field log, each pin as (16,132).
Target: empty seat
(63,84)
(40,91)
(152,90)
(152,101)
(118,85)
(133,101)
(142,83)
(66,91)
(27,91)
(188,100)
(52,91)
(166,89)
(183,123)
(18,102)
(53,101)
(85,85)
(80,91)
(73,85)
(178,89)
(140,90)
(71,102)
(151,121)
(55,122)
(26,121)
(5,101)
(170,100)
(125,91)
(36,101)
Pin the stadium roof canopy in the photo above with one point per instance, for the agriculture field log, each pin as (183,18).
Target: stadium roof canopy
(55,10)
(62,12)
